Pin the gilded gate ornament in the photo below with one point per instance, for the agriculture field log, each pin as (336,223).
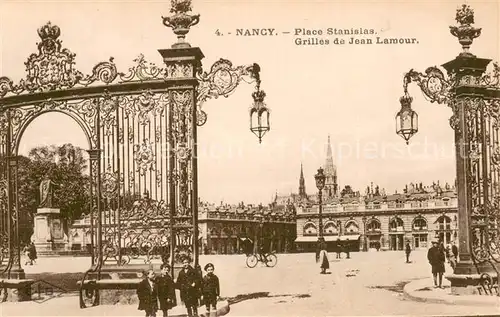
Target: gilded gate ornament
(144,156)
(110,183)
(142,71)
(108,112)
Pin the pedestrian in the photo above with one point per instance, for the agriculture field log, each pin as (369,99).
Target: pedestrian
(347,252)
(408,251)
(210,289)
(318,247)
(338,249)
(147,292)
(436,259)
(323,258)
(452,260)
(30,251)
(189,284)
(166,290)
(454,250)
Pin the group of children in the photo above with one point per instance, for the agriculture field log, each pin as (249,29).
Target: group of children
(193,289)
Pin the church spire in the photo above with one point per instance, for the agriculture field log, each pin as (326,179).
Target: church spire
(331,186)
(302,183)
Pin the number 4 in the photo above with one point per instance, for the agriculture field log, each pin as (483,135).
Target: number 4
(218,33)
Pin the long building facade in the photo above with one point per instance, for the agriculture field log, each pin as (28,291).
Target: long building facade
(375,220)
(232,230)
(379,225)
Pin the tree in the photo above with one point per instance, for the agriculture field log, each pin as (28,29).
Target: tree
(65,165)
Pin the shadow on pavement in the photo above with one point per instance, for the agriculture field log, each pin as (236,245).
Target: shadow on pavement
(249,296)
(65,281)
(398,288)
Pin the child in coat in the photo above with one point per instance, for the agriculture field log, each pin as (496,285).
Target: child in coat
(210,289)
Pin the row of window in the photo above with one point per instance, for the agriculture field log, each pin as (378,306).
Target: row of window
(373,225)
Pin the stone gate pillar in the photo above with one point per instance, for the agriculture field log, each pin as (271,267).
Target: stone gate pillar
(182,63)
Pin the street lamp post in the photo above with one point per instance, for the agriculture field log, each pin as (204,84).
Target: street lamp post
(261,226)
(320,184)
(365,247)
(474,95)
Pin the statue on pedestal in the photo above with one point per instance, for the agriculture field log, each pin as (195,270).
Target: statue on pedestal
(46,192)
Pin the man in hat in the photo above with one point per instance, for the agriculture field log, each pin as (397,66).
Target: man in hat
(210,289)
(436,259)
(189,284)
(166,289)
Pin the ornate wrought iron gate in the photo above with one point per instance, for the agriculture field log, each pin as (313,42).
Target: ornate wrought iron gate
(141,130)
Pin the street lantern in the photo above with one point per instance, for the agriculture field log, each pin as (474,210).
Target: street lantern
(320,179)
(259,115)
(406,119)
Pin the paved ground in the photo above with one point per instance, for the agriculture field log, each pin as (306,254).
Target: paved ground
(368,284)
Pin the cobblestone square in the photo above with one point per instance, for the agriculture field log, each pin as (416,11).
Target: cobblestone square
(370,283)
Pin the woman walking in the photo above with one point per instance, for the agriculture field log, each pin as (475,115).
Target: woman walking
(323,258)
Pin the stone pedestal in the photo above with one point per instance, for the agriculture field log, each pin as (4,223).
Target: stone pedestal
(467,281)
(48,236)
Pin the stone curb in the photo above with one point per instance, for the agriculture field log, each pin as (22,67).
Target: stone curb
(412,290)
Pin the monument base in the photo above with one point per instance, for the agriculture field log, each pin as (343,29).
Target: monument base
(50,249)
(48,235)
(467,279)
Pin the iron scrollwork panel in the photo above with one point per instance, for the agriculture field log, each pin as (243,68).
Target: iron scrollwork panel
(135,190)
(484,174)
(182,125)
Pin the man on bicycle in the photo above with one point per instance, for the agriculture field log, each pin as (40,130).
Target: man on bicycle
(262,254)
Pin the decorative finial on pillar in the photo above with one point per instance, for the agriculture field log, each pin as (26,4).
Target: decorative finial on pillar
(180,21)
(465,32)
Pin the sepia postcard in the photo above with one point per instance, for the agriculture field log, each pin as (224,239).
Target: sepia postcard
(249,158)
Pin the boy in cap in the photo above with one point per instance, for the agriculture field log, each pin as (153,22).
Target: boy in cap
(147,292)
(166,289)
(210,289)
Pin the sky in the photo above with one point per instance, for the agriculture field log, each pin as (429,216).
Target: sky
(348,92)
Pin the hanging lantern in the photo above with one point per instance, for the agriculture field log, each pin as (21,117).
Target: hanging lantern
(406,119)
(259,115)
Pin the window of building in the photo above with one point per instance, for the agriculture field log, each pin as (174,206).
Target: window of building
(330,228)
(419,224)
(444,223)
(373,225)
(396,224)
(310,229)
(351,227)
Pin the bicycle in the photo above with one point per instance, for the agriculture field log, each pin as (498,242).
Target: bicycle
(269,259)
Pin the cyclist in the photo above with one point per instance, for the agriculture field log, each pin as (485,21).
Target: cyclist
(262,254)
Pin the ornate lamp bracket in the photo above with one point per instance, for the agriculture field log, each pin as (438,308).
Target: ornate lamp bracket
(433,84)
(222,80)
